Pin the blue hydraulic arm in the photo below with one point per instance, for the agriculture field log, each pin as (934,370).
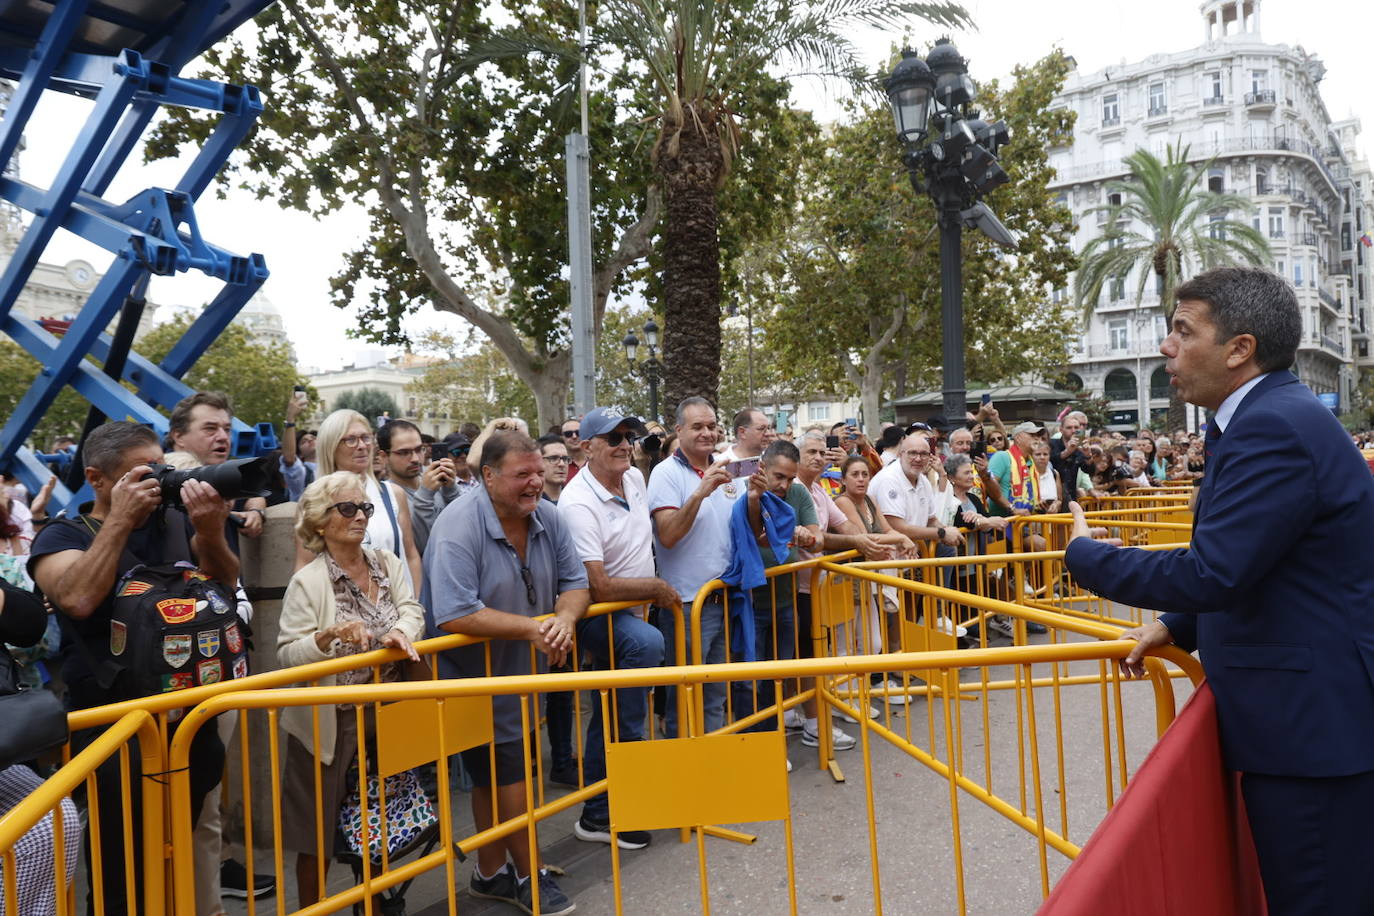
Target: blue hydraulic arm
(154,232)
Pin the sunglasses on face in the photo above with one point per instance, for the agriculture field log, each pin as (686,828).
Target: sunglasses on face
(348,510)
(614,439)
(570,433)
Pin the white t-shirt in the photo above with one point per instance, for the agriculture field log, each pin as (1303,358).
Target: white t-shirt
(703,553)
(608,530)
(380,534)
(894,494)
(1048,491)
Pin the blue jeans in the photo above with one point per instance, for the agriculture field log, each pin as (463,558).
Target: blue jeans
(712,653)
(636,644)
(770,625)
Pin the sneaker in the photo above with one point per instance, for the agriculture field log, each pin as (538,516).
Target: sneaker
(1001,625)
(233,881)
(839,740)
(552,900)
(896,698)
(500,887)
(601,833)
(789,764)
(872,714)
(793,720)
(564,775)
(1033,627)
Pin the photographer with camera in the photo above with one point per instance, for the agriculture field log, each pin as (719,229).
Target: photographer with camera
(77,564)
(201,424)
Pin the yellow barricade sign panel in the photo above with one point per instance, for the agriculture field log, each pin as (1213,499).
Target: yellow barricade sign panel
(715,779)
(408,731)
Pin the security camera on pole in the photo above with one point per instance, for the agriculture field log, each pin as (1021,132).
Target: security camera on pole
(951,154)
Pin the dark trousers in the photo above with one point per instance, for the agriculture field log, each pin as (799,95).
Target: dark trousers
(206,766)
(1312,836)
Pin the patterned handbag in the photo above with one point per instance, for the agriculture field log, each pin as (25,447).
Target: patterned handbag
(409,812)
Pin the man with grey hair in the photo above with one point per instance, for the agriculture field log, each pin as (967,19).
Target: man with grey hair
(690,501)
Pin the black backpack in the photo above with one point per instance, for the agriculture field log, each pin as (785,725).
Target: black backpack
(171,627)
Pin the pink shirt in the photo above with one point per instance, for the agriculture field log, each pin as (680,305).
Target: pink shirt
(829,517)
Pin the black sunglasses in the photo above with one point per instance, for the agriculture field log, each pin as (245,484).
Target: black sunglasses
(348,510)
(570,433)
(529,585)
(613,439)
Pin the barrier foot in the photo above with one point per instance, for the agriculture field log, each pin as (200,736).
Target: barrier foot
(836,773)
(726,833)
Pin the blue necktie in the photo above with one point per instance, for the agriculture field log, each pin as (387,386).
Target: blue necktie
(1213,437)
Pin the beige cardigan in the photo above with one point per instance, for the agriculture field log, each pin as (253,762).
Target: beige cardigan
(308,608)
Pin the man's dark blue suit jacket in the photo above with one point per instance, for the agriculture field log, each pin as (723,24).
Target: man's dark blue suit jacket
(1276,590)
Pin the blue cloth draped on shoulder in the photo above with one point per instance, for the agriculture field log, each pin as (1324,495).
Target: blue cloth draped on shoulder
(747,565)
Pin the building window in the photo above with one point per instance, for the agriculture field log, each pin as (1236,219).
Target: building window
(1119,385)
(1111,109)
(1120,333)
(1297,273)
(1276,222)
(1345,236)
(1211,85)
(1216,181)
(1259,80)
(1280,268)
(1261,181)
(818,412)
(1157,104)
(1214,229)
(1116,290)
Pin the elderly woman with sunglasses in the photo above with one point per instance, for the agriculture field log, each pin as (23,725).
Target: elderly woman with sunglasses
(349,599)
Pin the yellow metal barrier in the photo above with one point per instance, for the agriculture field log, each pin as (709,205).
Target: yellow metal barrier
(47,800)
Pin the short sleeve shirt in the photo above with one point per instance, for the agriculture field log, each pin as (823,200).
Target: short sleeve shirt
(999,466)
(703,553)
(469,565)
(608,529)
(895,495)
(828,516)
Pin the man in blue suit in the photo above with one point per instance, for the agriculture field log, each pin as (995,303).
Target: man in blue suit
(1275,591)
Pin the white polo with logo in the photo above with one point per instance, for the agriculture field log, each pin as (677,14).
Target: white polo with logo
(895,494)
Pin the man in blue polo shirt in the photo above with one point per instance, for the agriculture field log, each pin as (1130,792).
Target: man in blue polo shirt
(690,499)
(497,560)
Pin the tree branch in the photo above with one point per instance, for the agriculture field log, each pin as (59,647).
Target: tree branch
(636,242)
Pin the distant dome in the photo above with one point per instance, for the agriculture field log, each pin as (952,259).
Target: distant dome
(260,305)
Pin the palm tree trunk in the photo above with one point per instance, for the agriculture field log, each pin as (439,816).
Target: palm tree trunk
(692,169)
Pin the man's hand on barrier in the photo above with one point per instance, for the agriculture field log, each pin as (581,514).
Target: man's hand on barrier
(555,638)
(1150,636)
(206,509)
(953,537)
(665,595)
(1081,529)
(395,639)
(872,548)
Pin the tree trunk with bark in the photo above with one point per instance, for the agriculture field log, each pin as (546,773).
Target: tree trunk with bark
(691,164)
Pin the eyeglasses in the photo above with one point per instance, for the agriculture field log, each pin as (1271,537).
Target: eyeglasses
(570,433)
(613,439)
(407,453)
(355,441)
(348,510)
(558,459)
(529,585)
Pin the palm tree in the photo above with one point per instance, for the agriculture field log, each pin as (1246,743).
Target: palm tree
(698,55)
(1167,224)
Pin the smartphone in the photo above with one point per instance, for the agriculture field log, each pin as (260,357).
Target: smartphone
(438,451)
(300,389)
(745,467)
(832,441)
(780,422)
(987,398)
(852,422)
(978,449)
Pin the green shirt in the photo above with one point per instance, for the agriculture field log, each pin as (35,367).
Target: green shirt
(999,466)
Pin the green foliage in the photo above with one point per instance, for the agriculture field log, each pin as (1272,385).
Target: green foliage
(468,384)
(851,291)
(259,380)
(18,369)
(1098,409)
(370,402)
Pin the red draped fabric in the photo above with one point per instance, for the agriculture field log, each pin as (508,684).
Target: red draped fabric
(1176,842)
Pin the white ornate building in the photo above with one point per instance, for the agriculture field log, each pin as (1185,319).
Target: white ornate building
(1258,108)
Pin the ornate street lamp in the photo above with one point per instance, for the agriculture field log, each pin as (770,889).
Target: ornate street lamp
(650,369)
(950,154)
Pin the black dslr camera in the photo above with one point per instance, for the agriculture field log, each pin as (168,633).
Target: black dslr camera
(237,479)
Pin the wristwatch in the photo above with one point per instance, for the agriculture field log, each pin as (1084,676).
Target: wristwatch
(940,534)
(289,424)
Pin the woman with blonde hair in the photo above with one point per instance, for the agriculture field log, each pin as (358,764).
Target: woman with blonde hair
(345,442)
(349,599)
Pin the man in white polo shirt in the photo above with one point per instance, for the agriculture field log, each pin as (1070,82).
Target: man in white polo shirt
(606,507)
(902,492)
(690,500)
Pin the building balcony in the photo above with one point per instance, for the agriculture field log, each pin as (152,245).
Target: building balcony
(1260,100)
(1108,351)
(1306,238)
(1111,122)
(1333,345)
(1201,152)
(1157,112)
(1329,300)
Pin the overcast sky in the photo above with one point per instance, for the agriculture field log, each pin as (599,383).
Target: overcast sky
(302,254)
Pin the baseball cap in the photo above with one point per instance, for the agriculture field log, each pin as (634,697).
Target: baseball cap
(1028,426)
(601,420)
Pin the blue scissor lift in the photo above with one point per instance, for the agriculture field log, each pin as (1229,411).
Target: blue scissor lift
(126,56)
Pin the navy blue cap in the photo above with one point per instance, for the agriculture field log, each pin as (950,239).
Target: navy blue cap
(602,420)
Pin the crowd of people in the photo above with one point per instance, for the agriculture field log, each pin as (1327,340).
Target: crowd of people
(498,535)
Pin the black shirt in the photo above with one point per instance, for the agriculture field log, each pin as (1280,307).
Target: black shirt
(147,544)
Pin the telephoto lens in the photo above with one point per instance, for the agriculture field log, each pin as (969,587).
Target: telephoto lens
(236,479)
